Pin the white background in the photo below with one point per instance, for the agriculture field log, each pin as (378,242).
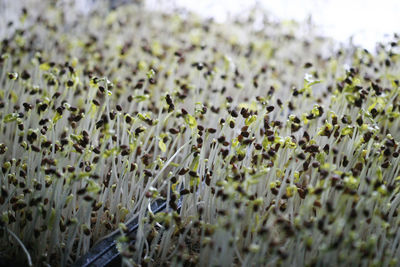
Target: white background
(366,21)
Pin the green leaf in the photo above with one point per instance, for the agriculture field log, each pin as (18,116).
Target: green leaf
(250,120)
(76,137)
(142,65)
(44,66)
(56,117)
(93,187)
(265,143)
(94,82)
(315,111)
(10,117)
(195,163)
(191,121)
(150,74)
(313,83)
(52,218)
(347,131)
(162,145)
(140,98)
(142,117)
(350,98)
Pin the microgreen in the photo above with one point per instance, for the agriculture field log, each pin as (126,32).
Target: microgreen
(268,147)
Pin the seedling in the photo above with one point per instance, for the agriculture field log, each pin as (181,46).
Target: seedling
(263,146)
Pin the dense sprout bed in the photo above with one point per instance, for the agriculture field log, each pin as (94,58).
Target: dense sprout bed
(281,145)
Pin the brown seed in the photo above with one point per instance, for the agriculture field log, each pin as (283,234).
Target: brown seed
(234,113)
(211,130)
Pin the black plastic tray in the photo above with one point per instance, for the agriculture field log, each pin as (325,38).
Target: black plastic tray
(105,253)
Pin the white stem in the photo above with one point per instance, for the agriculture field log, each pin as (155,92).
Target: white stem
(28,256)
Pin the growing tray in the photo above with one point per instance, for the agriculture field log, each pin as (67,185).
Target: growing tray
(105,253)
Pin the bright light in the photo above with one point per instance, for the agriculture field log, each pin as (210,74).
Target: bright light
(366,21)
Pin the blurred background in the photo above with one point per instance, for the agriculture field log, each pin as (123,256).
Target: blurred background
(364,22)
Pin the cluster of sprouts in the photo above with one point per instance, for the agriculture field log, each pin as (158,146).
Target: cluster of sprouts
(270,145)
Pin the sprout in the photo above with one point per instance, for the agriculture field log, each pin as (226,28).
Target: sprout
(253,161)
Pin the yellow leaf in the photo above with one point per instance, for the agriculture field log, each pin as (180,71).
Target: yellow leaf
(191,121)
(162,145)
(44,66)
(56,117)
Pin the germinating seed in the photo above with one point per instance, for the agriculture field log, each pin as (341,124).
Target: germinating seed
(103,114)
